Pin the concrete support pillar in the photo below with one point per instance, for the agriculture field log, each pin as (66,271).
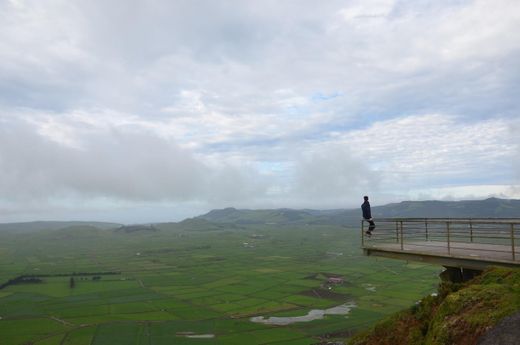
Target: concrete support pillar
(458,274)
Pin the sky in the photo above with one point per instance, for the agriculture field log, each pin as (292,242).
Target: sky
(146,111)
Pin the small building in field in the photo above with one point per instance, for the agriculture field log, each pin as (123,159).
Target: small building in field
(335,280)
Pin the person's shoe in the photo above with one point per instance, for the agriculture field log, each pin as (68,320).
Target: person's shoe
(369,234)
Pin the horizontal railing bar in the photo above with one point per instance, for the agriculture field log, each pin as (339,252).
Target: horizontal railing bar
(475,221)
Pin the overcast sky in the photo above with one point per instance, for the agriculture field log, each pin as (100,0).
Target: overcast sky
(144,111)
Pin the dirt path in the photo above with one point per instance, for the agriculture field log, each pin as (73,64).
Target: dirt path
(66,323)
(141,283)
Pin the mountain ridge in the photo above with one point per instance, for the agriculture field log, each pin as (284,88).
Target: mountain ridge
(487,208)
(36,226)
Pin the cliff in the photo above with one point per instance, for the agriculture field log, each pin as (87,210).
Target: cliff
(460,314)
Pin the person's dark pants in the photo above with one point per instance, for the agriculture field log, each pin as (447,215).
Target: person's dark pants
(371,226)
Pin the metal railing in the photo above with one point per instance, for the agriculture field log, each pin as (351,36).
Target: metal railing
(474,237)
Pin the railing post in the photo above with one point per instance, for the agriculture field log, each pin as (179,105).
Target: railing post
(402,244)
(471,230)
(513,241)
(396,231)
(426,227)
(448,232)
(362,233)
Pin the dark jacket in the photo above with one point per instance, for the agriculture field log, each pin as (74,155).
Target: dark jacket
(366,210)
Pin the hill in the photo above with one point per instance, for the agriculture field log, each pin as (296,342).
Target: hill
(27,227)
(488,208)
(136,228)
(274,216)
(232,217)
(460,314)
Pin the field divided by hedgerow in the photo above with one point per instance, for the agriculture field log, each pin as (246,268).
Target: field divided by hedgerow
(195,286)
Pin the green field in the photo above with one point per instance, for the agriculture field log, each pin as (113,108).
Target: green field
(191,286)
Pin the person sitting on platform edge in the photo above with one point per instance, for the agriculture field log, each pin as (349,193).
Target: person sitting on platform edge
(367,215)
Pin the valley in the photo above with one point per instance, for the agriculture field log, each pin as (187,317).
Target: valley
(197,282)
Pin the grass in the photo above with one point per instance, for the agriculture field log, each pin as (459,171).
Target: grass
(80,336)
(459,314)
(205,279)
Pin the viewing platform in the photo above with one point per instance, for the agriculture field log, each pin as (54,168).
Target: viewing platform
(471,244)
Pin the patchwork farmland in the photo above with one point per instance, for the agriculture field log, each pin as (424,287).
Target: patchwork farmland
(200,284)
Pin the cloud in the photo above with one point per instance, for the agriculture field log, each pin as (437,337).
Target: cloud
(118,163)
(38,160)
(270,103)
(367,9)
(513,132)
(436,149)
(468,192)
(333,174)
(146,56)
(125,160)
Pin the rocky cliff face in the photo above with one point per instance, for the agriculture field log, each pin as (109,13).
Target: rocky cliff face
(460,314)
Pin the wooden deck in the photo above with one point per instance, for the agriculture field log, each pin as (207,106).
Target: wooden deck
(468,255)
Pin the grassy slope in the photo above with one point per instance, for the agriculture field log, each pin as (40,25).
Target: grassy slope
(31,227)
(460,314)
(492,207)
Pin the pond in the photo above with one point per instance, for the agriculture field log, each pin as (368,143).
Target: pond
(314,314)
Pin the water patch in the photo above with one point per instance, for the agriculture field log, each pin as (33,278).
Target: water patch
(315,314)
(193,335)
(369,287)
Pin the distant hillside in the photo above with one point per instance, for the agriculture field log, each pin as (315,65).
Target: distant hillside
(275,216)
(136,228)
(215,219)
(53,225)
(488,208)
(196,224)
